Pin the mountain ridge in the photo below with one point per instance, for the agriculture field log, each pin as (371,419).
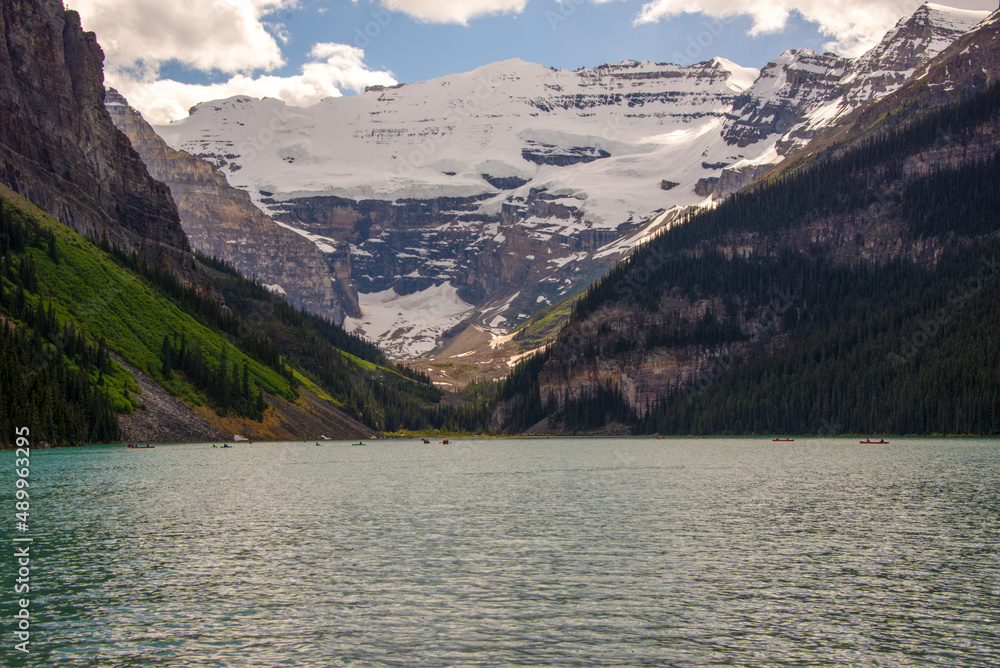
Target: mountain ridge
(857,289)
(537,177)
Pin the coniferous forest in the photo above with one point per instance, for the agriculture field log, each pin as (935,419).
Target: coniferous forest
(866,340)
(53,378)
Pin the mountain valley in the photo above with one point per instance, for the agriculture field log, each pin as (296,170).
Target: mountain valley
(632,248)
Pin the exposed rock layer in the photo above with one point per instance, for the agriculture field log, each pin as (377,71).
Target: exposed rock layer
(222,221)
(58,146)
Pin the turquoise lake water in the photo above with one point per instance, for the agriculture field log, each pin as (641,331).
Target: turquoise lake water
(512,552)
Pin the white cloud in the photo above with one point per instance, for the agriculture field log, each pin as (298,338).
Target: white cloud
(226,35)
(335,67)
(229,36)
(453,11)
(854,25)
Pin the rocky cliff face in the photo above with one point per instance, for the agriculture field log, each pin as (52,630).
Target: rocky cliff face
(965,67)
(787,89)
(423,251)
(913,43)
(58,146)
(803,92)
(222,221)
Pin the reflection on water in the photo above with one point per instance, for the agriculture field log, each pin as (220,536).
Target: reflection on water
(517,552)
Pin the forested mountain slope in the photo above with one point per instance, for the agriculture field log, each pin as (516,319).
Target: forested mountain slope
(857,295)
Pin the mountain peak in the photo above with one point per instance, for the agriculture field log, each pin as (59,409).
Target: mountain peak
(741,78)
(913,42)
(938,25)
(937,12)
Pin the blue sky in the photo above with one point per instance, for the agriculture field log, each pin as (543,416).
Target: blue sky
(579,35)
(166,55)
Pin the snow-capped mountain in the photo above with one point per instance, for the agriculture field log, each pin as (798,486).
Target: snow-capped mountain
(481,197)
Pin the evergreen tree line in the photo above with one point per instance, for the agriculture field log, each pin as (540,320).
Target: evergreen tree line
(391,397)
(519,396)
(253,341)
(243,292)
(228,388)
(60,402)
(895,349)
(918,355)
(963,200)
(852,180)
(261,325)
(597,407)
(327,333)
(51,376)
(270,330)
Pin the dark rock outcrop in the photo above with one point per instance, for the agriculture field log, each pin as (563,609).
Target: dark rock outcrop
(404,244)
(708,186)
(58,145)
(546,154)
(505,182)
(730,180)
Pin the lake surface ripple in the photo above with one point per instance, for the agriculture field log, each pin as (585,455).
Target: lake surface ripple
(515,552)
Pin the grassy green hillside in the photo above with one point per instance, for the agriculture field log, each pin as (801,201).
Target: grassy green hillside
(81,289)
(69,304)
(544,326)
